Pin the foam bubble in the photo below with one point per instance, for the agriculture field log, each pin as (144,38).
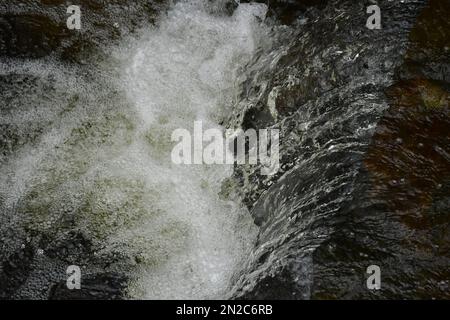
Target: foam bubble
(100,163)
(188,69)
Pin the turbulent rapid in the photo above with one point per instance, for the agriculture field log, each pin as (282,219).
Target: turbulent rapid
(101,165)
(187,70)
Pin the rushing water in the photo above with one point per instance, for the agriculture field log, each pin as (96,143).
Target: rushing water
(95,159)
(86,178)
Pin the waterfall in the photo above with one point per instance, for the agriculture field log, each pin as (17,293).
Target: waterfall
(96,153)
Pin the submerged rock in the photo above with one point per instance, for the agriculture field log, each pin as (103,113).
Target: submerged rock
(36,29)
(96,287)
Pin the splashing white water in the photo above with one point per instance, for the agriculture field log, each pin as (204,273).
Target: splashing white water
(188,70)
(106,160)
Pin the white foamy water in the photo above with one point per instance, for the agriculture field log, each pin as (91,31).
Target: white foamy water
(186,70)
(102,164)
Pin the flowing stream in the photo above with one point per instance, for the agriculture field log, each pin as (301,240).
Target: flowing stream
(95,157)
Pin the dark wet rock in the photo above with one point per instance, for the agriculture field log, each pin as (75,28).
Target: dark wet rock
(364,173)
(287,11)
(36,29)
(14,271)
(37,270)
(22,35)
(93,287)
